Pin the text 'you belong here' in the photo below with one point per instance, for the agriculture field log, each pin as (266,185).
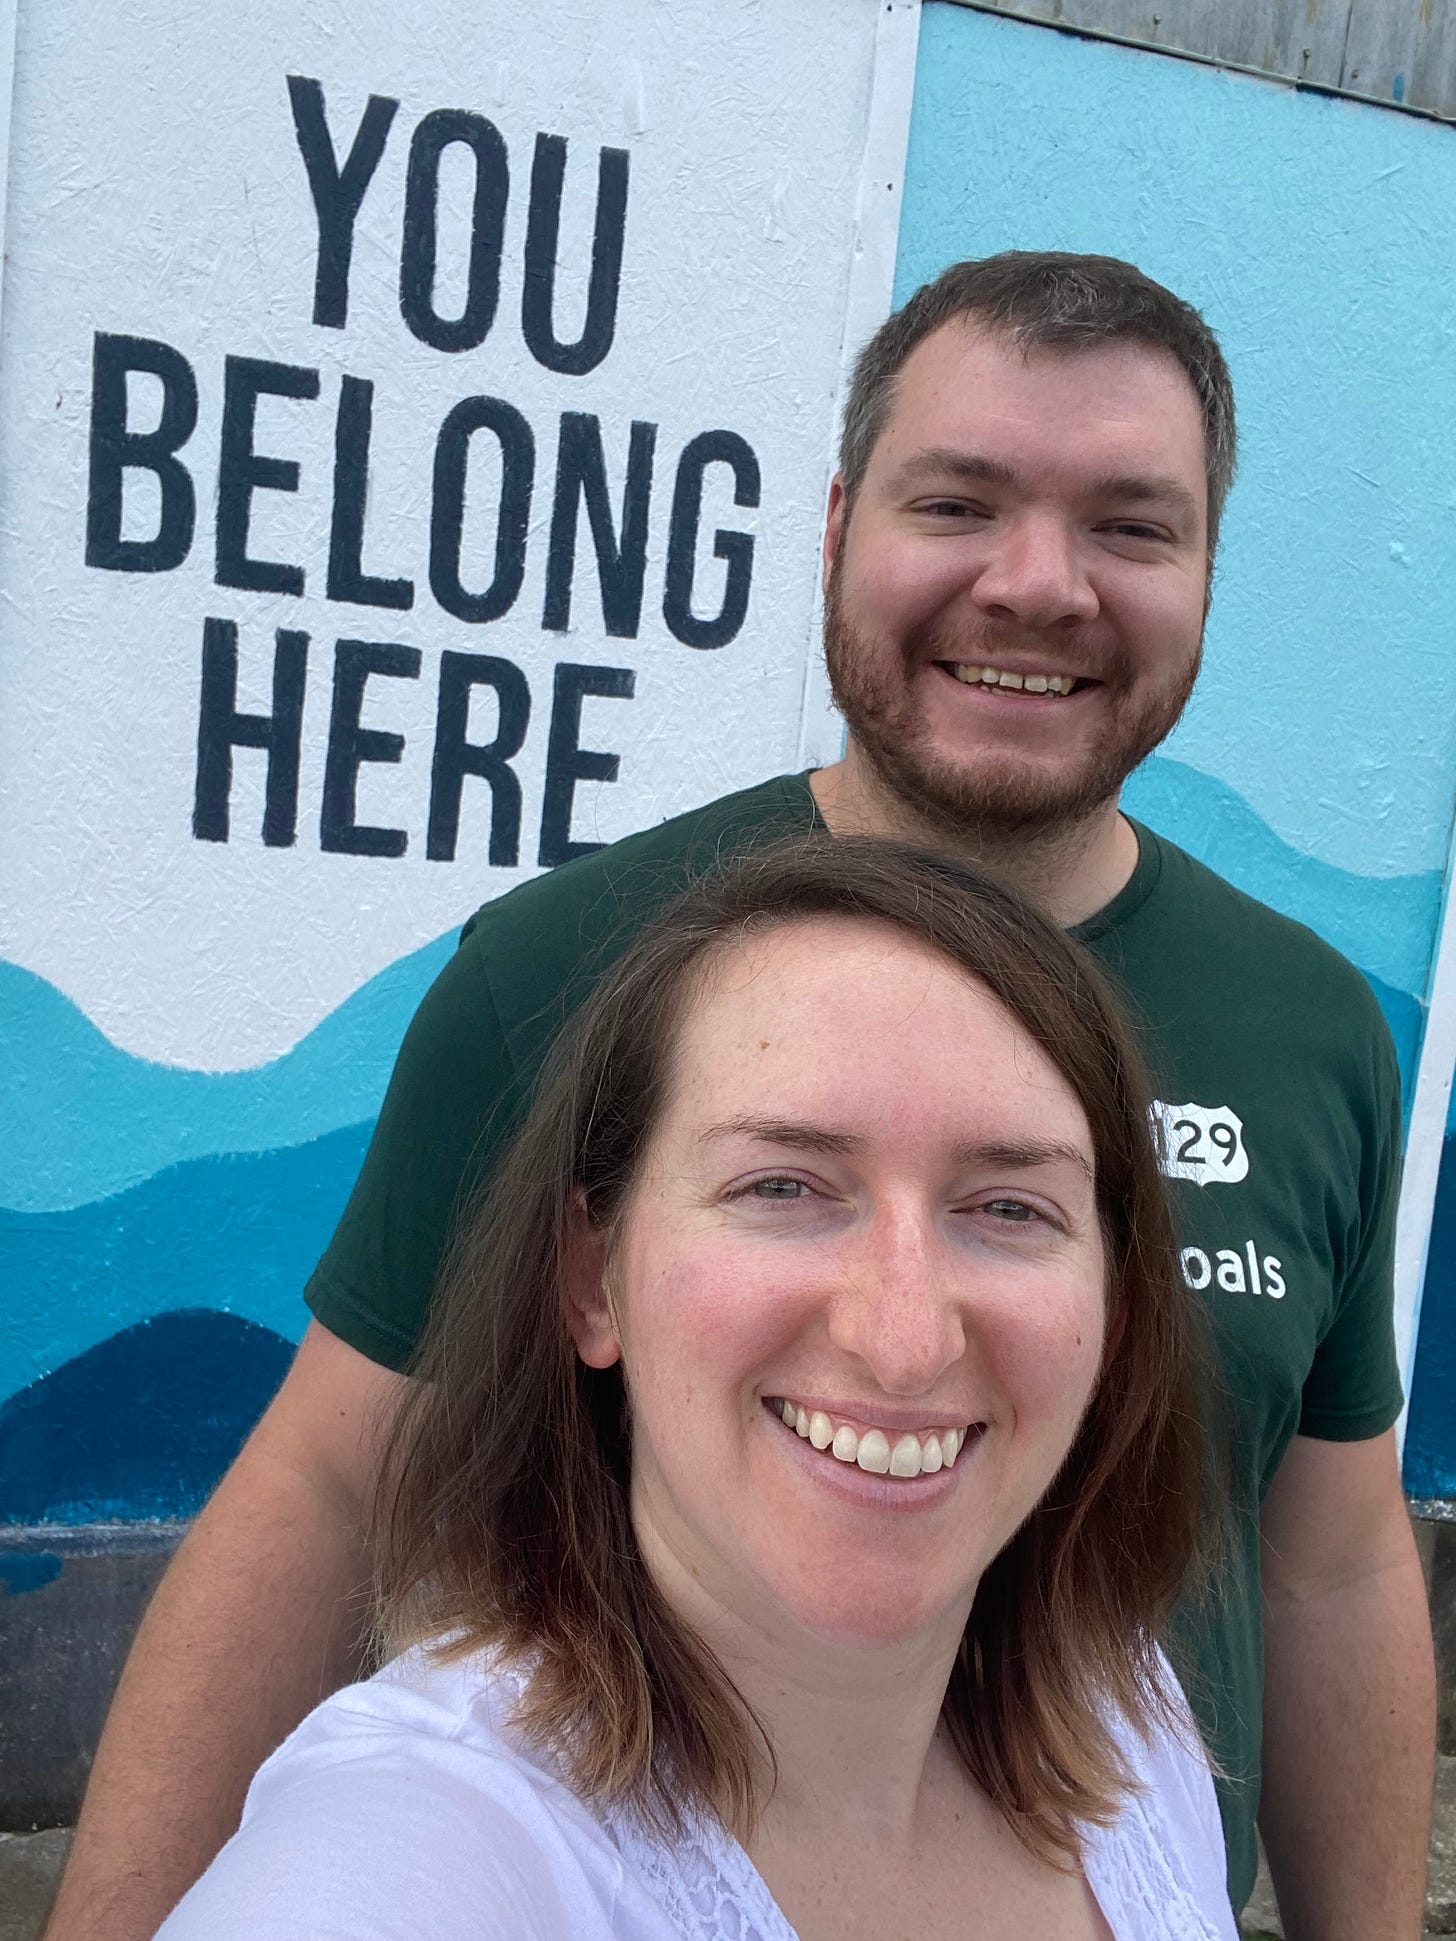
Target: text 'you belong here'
(142,511)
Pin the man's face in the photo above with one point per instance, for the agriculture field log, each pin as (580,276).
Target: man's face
(1014,605)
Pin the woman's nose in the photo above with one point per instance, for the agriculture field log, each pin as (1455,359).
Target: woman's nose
(1036,576)
(896,1308)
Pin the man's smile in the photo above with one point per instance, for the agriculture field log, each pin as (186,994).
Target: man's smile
(978,674)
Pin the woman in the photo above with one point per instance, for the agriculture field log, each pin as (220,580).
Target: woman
(804,1460)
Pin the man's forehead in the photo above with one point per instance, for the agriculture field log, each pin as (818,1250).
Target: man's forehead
(965,354)
(969,387)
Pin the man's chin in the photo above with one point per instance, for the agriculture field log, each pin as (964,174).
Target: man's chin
(997,800)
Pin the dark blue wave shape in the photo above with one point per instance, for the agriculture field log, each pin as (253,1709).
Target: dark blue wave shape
(1430,1439)
(142,1425)
(239,1233)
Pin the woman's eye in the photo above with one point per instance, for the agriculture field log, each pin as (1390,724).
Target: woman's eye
(778,1189)
(1017,1212)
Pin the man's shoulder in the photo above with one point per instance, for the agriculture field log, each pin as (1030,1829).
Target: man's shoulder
(537,935)
(1241,938)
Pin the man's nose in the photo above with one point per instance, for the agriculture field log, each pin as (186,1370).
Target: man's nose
(897,1308)
(1036,575)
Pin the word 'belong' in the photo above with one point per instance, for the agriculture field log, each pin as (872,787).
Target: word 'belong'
(124,457)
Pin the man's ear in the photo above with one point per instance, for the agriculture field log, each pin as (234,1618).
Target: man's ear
(584,1288)
(833,529)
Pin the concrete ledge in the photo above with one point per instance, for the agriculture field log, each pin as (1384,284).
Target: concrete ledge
(30,1872)
(70,1600)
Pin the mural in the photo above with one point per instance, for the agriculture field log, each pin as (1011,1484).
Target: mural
(250,809)
(408,485)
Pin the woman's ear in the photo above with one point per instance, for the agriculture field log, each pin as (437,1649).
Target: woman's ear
(1116,1329)
(584,1288)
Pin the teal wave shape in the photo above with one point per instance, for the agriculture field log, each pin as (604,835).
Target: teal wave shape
(84,1120)
(241,1234)
(1385,924)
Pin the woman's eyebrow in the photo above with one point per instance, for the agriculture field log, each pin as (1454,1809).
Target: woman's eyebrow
(1017,1154)
(1021,1153)
(785,1132)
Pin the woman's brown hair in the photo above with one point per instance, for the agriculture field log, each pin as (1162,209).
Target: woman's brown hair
(504,1523)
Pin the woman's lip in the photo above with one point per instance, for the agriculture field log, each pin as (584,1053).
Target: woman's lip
(864,1488)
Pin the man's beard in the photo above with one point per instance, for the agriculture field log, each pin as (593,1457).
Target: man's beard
(990,797)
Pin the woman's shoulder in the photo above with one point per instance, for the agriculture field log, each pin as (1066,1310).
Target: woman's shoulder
(1160,1867)
(405,1805)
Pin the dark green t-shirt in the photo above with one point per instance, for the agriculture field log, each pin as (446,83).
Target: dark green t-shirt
(1279,1122)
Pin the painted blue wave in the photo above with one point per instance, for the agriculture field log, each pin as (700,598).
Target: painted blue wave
(84,1120)
(240,1234)
(140,1426)
(1385,924)
(1430,1440)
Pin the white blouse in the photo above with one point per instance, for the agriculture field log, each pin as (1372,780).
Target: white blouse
(403,1809)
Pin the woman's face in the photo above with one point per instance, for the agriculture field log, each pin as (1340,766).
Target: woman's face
(867,1213)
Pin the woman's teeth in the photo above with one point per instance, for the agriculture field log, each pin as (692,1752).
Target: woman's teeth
(908,1455)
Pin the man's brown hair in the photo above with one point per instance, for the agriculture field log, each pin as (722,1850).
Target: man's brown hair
(504,1519)
(1047,300)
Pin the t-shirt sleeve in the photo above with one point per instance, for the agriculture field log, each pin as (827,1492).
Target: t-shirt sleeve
(360,1832)
(1353,1390)
(450,1102)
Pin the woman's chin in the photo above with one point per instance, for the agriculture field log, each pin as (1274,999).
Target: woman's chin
(871,1617)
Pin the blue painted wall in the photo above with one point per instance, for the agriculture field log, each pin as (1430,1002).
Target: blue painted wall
(1317,764)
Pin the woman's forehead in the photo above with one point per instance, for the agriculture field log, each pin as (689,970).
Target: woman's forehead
(855,1015)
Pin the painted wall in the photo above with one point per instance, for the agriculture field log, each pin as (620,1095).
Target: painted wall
(1316,766)
(465,442)
(201,1029)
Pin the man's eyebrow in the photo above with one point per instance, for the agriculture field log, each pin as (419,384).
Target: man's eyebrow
(939,462)
(948,461)
(1150,488)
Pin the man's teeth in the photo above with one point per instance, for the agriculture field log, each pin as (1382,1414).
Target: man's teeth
(908,1455)
(997,677)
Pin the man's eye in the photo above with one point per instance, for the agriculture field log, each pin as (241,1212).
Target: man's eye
(1130,529)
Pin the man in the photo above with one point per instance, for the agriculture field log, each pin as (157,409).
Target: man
(1035,457)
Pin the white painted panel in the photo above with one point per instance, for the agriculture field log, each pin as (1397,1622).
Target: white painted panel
(158,192)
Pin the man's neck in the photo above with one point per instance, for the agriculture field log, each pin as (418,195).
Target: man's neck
(1071,871)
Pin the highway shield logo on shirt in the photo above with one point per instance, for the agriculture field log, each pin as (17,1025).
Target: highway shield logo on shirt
(1202,1143)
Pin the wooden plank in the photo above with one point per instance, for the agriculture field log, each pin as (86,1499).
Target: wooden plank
(1296,40)
(1403,52)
